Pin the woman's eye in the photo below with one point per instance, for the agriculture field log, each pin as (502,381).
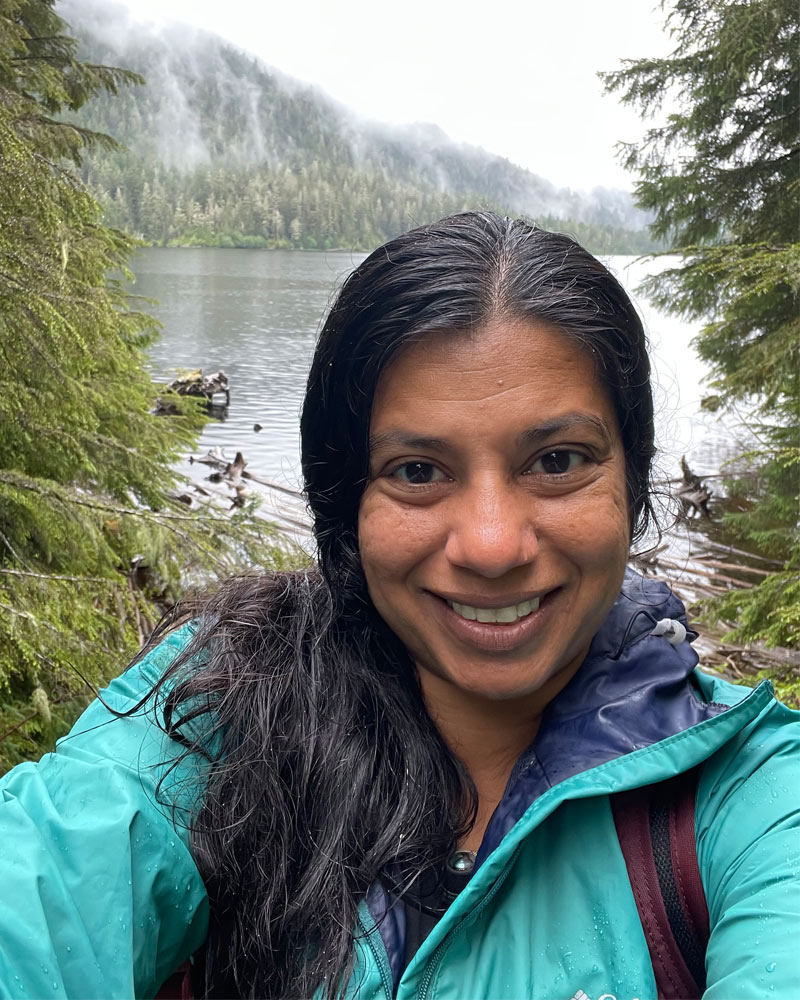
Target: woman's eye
(418,473)
(558,462)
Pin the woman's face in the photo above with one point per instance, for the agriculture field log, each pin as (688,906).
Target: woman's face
(494,528)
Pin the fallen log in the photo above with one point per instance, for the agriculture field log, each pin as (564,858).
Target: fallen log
(216,459)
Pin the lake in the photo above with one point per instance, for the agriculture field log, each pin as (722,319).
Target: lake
(255,314)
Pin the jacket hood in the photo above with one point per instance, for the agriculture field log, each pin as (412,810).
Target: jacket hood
(632,690)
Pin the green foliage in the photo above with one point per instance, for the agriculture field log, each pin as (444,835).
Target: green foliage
(786,682)
(721,176)
(320,207)
(92,548)
(769,609)
(724,162)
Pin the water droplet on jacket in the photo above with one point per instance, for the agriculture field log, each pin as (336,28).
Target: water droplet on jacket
(55,986)
(771,966)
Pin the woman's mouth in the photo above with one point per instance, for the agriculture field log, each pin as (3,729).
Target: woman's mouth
(495,630)
(503,616)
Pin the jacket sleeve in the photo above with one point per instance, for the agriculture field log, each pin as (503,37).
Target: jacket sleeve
(748,846)
(99,896)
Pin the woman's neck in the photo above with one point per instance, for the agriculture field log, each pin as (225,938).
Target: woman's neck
(488,737)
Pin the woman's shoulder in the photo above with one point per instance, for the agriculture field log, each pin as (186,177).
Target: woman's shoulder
(103,849)
(748,848)
(768,745)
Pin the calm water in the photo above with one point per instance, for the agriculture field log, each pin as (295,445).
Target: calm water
(255,315)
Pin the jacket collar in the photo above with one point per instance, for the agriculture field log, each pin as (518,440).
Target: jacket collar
(632,690)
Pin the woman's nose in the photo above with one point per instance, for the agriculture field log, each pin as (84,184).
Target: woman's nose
(491,529)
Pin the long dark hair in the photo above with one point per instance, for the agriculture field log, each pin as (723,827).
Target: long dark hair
(325,769)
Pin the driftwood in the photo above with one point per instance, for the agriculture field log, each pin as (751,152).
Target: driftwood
(693,493)
(200,386)
(217,460)
(233,474)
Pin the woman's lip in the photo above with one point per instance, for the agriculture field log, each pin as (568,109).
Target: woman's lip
(492,637)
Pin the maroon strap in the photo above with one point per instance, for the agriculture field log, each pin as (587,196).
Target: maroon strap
(178,986)
(683,848)
(655,827)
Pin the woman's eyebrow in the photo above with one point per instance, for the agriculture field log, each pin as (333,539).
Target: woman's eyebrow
(576,420)
(532,436)
(414,442)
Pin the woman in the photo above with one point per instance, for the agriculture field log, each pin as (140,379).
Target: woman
(395,777)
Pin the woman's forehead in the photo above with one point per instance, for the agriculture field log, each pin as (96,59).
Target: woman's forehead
(510,350)
(468,377)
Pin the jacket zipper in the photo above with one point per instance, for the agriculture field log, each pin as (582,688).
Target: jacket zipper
(436,957)
(380,958)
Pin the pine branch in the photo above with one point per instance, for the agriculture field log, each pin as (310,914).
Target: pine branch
(57,576)
(18,726)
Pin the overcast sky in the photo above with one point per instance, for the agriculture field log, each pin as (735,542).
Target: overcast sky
(518,77)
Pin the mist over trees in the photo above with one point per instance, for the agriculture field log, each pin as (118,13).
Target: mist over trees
(721,177)
(224,151)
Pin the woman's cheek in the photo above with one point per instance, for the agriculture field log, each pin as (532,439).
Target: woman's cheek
(394,536)
(595,524)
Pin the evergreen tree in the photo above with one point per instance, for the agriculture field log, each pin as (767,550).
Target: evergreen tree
(721,176)
(91,545)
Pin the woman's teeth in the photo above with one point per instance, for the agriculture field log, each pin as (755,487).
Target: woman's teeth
(506,616)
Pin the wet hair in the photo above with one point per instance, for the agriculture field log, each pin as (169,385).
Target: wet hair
(324,771)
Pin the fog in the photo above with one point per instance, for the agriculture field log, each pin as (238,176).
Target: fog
(189,70)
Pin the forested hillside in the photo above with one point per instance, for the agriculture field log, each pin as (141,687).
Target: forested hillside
(222,150)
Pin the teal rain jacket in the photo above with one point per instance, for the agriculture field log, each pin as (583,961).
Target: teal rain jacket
(100,898)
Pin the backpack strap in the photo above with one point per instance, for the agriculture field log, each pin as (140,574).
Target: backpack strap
(178,986)
(655,826)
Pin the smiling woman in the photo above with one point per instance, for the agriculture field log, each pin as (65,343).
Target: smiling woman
(414,771)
